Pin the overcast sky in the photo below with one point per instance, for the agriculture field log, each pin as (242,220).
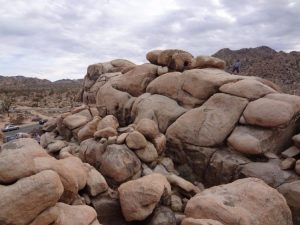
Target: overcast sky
(56,39)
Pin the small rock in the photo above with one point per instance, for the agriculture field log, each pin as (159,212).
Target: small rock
(162,216)
(56,146)
(106,132)
(176,203)
(291,152)
(96,183)
(135,140)
(296,140)
(160,143)
(112,140)
(147,154)
(108,121)
(121,138)
(192,221)
(148,128)
(288,163)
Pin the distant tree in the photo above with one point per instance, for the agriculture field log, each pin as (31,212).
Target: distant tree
(7,103)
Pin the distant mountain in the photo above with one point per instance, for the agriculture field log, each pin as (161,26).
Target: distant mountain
(13,83)
(279,67)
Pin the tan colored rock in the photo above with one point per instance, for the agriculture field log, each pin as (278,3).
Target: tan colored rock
(270,172)
(162,70)
(248,88)
(89,129)
(136,80)
(106,132)
(148,128)
(165,57)
(209,124)
(47,138)
(75,215)
(163,110)
(95,183)
(243,202)
(152,56)
(291,152)
(22,201)
(47,217)
(160,143)
(268,113)
(208,62)
(76,120)
(111,101)
(288,163)
(181,61)
(139,197)
(91,152)
(255,140)
(176,203)
(147,154)
(50,125)
(291,192)
(56,146)
(119,163)
(296,140)
(185,185)
(192,221)
(121,138)
(135,140)
(108,121)
(70,170)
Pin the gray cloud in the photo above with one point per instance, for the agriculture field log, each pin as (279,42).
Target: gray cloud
(58,39)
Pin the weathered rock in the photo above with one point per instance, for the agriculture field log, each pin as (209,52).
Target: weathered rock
(244,202)
(114,102)
(119,163)
(48,216)
(160,143)
(70,170)
(291,152)
(296,140)
(139,197)
(162,216)
(148,128)
(136,80)
(22,201)
(47,138)
(88,130)
(192,221)
(135,140)
(50,125)
(269,172)
(121,138)
(209,124)
(152,56)
(223,167)
(77,120)
(208,62)
(108,210)
(268,113)
(176,203)
(56,146)
(248,88)
(95,183)
(108,121)
(76,215)
(255,140)
(91,152)
(163,110)
(106,133)
(288,163)
(147,154)
(185,185)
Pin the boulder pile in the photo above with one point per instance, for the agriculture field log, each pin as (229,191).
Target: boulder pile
(151,142)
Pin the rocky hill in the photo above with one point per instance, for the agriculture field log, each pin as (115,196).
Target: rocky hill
(14,83)
(280,67)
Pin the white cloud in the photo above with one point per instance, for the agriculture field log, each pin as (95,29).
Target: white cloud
(59,39)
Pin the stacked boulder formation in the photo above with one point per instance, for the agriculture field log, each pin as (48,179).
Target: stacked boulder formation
(173,141)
